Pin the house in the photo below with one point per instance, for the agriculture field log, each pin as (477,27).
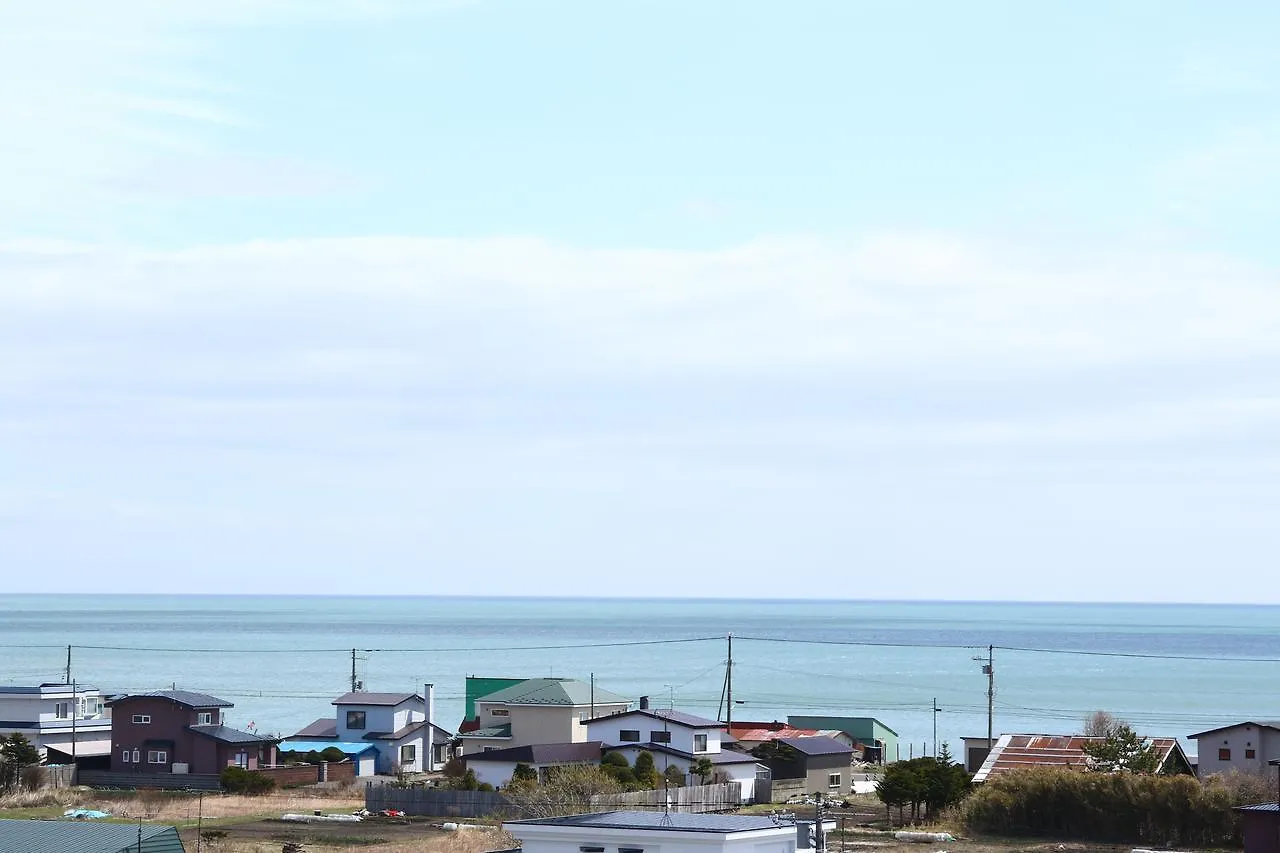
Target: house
(675,739)
(396,724)
(180,731)
(538,711)
(476,688)
(976,750)
(64,836)
(1246,746)
(496,766)
(63,721)
(879,743)
(1260,826)
(1018,752)
(822,765)
(747,736)
(634,831)
(362,754)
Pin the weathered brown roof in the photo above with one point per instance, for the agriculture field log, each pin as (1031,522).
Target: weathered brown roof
(1020,752)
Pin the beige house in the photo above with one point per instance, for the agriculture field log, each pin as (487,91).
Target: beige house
(539,711)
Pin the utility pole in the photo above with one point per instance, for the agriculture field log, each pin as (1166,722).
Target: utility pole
(75,712)
(819,815)
(936,709)
(593,697)
(67,680)
(989,670)
(355,685)
(200,823)
(728,686)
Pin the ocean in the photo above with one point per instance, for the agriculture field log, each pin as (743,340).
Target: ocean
(1168,669)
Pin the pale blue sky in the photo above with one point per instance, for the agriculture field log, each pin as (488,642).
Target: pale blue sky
(876,299)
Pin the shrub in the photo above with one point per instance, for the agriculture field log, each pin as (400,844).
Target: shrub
(332,753)
(237,780)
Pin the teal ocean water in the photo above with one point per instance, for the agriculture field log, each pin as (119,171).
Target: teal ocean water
(1170,669)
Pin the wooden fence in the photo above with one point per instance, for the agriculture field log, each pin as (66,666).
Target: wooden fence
(166,781)
(437,802)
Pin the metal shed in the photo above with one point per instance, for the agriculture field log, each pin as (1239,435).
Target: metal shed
(64,836)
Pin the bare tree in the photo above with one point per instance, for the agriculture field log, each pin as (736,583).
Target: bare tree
(1102,724)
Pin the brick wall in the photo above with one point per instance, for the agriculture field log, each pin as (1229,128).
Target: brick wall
(308,774)
(344,772)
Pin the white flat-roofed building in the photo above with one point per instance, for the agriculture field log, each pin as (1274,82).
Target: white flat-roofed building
(659,832)
(59,721)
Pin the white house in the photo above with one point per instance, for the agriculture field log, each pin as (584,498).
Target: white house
(496,766)
(675,739)
(538,711)
(635,832)
(59,721)
(396,724)
(1246,746)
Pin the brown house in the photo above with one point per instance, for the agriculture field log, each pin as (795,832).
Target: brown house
(180,731)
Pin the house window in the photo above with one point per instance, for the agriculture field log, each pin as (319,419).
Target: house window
(157,756)
(62,710)
(629,735)
(500,712)
(355,719)
(1224,754)
(408,753)
(699,743)
(137,757)
(204,718)
(630,850)
(833,780)
(141,719)
(659,737)
(242,759)
(124,755)
(1251,753)
(587,848)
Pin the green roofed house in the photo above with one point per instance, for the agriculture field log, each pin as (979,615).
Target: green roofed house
(65,836)
(536,711)
(879,741)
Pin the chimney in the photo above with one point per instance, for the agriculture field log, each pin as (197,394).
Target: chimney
(644,703)
(429,737)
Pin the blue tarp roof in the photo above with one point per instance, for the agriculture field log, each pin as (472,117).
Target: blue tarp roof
(349,747)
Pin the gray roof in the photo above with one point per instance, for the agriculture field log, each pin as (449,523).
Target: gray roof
(543,753)
(1260,807)
(1262,724)
(361,698)
(725,757)
(321,728)
(226,734)
(819,745)
(62,836)
(554,691)
(658,821)
(502,731)
(182,697)
(438,734)
(692,721)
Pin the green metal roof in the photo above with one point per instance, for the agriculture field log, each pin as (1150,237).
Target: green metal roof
(555,691)
(64,836)
(503,731)
(478,686)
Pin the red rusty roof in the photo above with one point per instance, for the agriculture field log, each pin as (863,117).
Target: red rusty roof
(1019,752)
(770,733)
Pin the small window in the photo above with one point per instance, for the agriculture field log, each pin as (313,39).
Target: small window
(659,737)
(630,850)
(141,719)
(355,719)
(1251,753)
(587,848)
(204,718)
(124,755)
(137,757)
(500,712)
(699,743)
(408,753)
(1224,755)
(629,735)
(62,710)
(157,756)
(833,780)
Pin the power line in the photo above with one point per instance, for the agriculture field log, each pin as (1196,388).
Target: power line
(347,650)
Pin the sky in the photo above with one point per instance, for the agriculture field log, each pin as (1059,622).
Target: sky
(558,297)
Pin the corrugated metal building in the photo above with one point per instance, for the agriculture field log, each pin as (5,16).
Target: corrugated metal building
(64,836)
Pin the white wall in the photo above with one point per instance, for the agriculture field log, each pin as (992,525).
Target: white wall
(556,839)
(1265,742)
(609,730)
(496,773)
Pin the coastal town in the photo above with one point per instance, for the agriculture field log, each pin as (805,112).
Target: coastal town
(559,761)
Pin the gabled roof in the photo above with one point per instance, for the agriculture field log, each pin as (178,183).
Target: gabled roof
(438,734)
(1019,752)
(384,699)
(325,727)
(660,821)
(226,734)
(680,718)
(554,691)
(817,745)
(543,753)
(65,836)
(1262,724)
(182,697)
(1260,807)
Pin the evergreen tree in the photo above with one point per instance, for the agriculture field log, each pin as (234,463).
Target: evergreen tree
(16,754)
(1124,751)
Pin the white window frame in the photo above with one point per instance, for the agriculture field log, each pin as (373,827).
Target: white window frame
(137,756)
(835,780)
(705,742)
(157,756)
(62,710)
(204,718)
(412,753)
(124,755)
(141,719)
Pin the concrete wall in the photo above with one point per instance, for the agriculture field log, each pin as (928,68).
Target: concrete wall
(609,730)
(1263,740)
